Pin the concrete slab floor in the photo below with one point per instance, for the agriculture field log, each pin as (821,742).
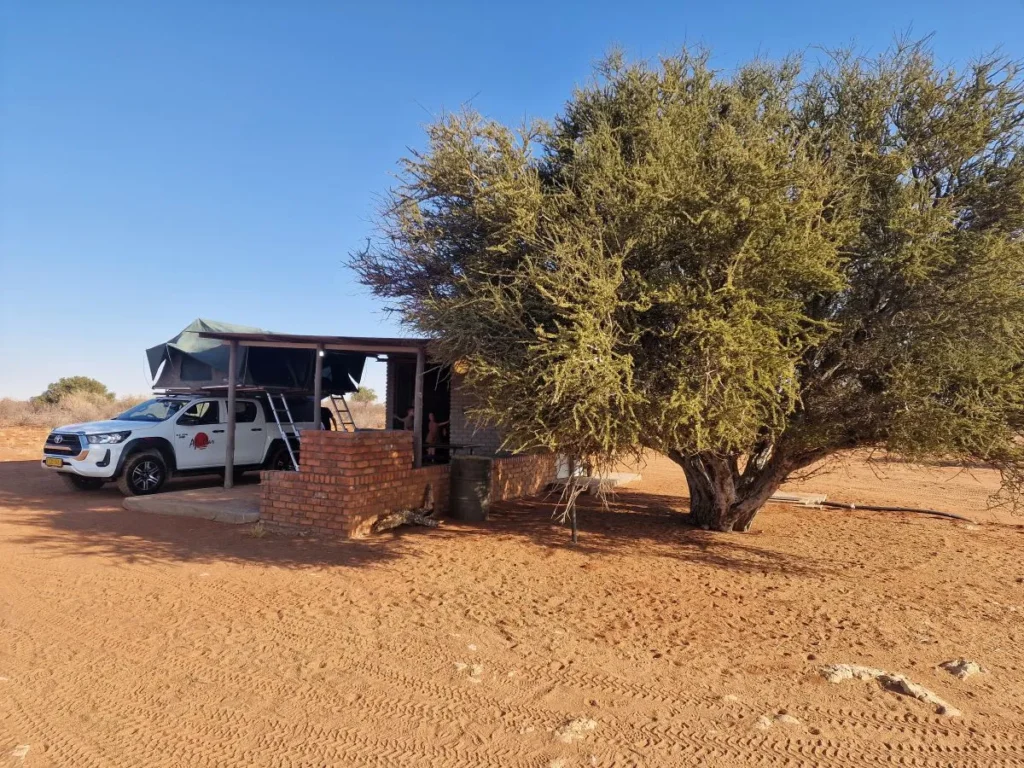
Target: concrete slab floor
(236,506)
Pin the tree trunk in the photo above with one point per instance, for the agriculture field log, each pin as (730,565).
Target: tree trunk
(724,499)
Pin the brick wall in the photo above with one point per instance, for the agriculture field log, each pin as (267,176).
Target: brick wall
(517,476)
(347,480)
(463,430)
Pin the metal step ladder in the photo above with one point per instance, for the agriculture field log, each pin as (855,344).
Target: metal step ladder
(342,414)
(283,417)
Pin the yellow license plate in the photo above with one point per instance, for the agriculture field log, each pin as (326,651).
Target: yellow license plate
(54,462)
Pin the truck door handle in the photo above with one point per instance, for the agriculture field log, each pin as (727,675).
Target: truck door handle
(217,430)
(257,429)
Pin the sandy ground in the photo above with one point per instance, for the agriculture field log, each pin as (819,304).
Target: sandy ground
(129,640)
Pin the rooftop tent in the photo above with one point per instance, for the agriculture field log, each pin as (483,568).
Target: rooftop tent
(193,362)
(188,360)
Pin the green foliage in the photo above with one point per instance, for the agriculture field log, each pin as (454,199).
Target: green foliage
(746,272)
(363,395)
(73,385)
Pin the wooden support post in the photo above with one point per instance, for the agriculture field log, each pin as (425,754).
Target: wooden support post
(229,457)
(318,375)
(417,417)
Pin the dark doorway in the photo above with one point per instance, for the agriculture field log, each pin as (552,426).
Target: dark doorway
(437,397)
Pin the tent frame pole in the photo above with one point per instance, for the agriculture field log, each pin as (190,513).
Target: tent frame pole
(229,458)
(318,375)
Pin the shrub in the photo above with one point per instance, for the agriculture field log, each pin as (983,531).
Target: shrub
(363,395)
(74,385)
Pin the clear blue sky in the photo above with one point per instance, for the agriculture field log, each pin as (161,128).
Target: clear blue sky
(166,161)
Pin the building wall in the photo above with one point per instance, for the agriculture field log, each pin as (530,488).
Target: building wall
(349,479)
(513,477)
(464,431)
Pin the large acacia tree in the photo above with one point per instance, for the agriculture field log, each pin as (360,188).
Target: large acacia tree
(745,271)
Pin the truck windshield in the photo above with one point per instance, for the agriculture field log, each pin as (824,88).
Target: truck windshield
(158,409)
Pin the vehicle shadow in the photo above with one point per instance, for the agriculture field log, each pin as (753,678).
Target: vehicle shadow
(38,510)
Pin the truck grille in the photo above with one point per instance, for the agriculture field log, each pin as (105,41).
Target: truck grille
(62,444)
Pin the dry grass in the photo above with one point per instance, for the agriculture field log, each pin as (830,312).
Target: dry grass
(368,415)
(72,409)
(78,408)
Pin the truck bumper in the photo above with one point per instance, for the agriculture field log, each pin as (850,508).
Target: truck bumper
(97,461)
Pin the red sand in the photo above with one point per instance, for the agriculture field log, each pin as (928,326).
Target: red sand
(130,640)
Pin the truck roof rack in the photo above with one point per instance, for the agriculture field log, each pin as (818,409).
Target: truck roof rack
(241,389)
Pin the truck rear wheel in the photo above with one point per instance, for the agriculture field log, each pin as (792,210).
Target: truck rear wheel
(280,460)
(143,474)
(327,420)
(79,483)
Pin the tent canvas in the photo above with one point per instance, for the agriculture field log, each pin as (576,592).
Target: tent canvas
(189,361)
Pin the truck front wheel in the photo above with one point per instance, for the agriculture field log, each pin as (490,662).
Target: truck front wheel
(143,473)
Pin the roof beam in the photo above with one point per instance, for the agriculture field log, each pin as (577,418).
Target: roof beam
(336,347)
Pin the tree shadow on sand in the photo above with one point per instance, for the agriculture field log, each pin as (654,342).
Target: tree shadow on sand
(633,523)
(39,512)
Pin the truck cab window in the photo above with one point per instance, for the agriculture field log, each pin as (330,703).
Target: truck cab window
(205,412)
(245,412)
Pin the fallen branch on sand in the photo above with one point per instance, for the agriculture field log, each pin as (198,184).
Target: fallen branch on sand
(421,516)
(871,508)
(837,673)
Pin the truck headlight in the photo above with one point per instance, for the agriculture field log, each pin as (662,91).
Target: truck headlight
(108,438)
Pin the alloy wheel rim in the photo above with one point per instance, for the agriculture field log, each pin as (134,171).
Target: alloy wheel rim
(146,476)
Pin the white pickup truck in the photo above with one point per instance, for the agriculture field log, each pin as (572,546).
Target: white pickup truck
(172,435)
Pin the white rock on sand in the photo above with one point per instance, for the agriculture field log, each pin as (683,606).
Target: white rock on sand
(837,673)
(475,670)
(575,729)
(764,722)
(962,668)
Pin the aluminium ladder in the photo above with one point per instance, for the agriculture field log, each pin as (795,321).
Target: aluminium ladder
(343,418)
(288,422)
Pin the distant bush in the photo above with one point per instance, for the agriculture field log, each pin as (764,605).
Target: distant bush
(363,395)
(68,409)
(74,385)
